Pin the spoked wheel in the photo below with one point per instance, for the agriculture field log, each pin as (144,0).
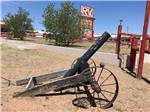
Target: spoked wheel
(81,98)
(108,86)
(91,63)
(82,91)
(103,89)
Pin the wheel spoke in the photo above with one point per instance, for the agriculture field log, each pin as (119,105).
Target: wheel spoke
(104,96)
(108,84)
(99,100)
(108,91)
(105,79)
(100,74)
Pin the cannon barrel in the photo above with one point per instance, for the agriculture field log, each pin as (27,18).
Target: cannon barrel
(88,54)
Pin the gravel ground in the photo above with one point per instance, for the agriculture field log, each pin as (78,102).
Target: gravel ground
(134,94)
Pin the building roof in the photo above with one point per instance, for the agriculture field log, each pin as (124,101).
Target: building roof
(2,23)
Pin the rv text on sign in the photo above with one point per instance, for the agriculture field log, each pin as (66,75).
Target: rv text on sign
(87,11)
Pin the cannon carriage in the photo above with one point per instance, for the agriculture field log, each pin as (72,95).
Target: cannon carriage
(96,84)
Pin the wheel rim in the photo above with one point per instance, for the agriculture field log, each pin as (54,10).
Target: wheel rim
(109,88)
(108,85)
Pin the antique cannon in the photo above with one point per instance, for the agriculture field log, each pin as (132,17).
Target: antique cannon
(95,83)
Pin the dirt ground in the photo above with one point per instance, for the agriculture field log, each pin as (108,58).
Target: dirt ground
(134,94)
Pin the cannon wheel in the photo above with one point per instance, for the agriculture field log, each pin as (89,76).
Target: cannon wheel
(91,63)
(108,89)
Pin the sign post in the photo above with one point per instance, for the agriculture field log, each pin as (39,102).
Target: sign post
(87,20)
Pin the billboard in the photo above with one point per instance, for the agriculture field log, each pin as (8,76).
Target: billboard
(87,11)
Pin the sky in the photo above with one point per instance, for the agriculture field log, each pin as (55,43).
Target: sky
(106,13)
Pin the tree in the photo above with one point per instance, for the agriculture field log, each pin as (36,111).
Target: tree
(50,20)
(18,23)
(63,24)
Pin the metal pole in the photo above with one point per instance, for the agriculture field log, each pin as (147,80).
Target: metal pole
(134,49)
(127,29)
(118,42)
(92,28)
(144,39)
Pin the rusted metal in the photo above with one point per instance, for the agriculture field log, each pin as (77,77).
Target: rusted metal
(96,90)
(82,61)
(82,73)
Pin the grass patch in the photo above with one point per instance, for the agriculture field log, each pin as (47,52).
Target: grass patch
(38,40)
(108,47)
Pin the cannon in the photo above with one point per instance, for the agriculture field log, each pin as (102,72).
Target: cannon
(96,84)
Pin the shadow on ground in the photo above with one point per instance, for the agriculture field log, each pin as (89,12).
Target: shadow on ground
(133,74)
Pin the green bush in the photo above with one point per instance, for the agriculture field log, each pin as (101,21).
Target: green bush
(18,23)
